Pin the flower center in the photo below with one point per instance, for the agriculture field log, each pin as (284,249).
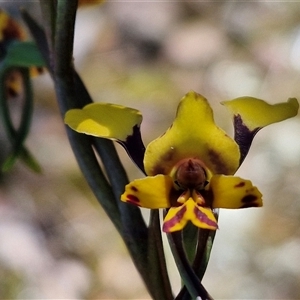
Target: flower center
(191,175)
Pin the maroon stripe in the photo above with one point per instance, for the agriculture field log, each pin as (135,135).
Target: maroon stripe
(176,219)
(202,217)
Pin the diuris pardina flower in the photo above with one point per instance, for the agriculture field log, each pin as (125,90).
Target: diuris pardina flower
(11,32)
(190,167)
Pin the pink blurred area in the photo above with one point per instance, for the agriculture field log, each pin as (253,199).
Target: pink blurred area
(56,241)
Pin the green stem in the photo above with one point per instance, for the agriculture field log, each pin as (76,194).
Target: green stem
(156,259)
(205,243)
(189,278)
(18,136)
(134,230)
(198,260)
(81,146)
(203,253)
(72,93)
(48,8)
(190,240)
(132,226)
(63,74)
(41,40)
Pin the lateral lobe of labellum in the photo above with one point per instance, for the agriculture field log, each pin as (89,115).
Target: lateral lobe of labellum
(202,217)
(176,219)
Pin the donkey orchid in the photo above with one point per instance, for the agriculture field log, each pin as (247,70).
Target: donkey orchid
(190,167)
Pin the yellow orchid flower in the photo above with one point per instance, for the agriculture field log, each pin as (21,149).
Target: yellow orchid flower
(190,167)
(11,31)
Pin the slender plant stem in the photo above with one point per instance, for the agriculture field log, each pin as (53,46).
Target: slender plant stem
(18,135)
(156,259)
(204,247)
(71,93)
(48,8)
(189,278)
(129,220)
(203,235)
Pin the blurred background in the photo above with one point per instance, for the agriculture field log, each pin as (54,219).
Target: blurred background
(55,240)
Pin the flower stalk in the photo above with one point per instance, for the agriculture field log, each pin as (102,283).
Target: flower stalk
(71,93)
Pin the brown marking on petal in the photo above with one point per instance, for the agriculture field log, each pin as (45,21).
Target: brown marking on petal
(160,167)
(168,155)
(133,199)
(241,184)
(249,198)
(216,159)
(133,188)
(158,170)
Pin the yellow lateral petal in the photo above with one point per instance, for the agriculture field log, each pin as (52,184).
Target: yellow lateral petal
(234,192)
(193,134)
(104,120)
(256,113)
(177,217)
(150,192)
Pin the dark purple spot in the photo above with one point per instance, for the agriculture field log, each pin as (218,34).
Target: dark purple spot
(134,146)
(133,199)
(133,188)
(249,198)
(241,184)
(243,136)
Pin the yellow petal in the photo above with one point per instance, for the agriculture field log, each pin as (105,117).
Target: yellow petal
(104,120)
(256,113)
(193,134)
(150,192)
(177,217)
(234,192)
